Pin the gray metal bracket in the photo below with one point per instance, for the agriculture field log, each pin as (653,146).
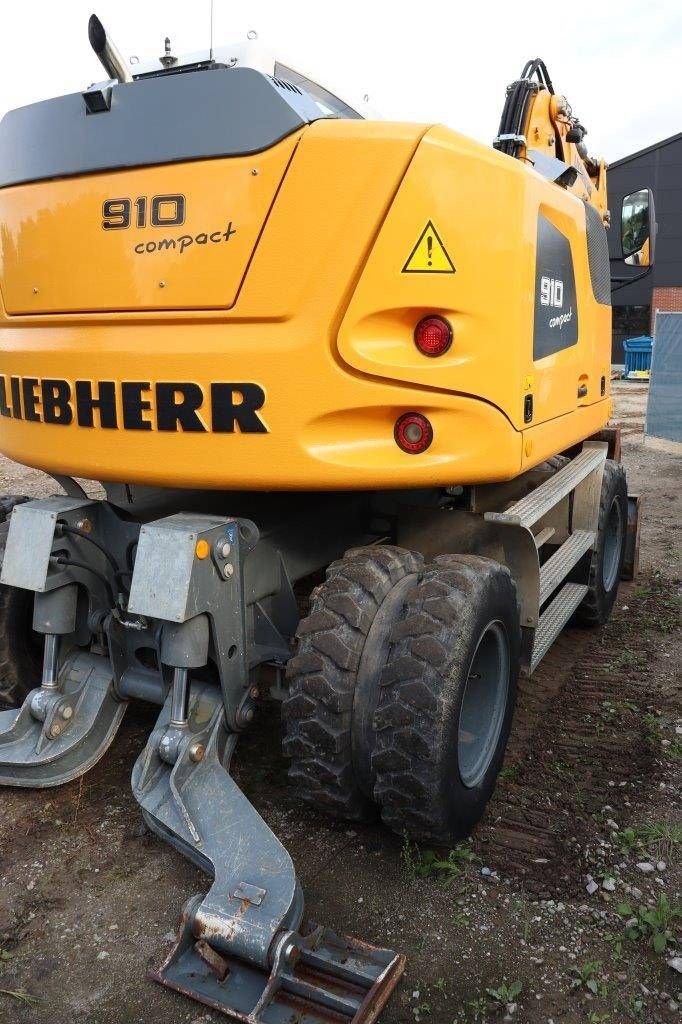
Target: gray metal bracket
(241,948)
(549,167)
(55,737)
(189,565)
(28,562)
(196,805)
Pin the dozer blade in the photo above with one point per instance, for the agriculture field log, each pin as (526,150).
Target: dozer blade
(80,721)
(241,949)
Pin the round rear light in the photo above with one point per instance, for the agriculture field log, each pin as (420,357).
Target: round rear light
(413,433)
(433,335)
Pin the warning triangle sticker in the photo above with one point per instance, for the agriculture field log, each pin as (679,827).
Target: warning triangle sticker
(429,255)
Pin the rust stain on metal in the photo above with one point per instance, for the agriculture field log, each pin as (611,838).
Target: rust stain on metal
(215,961)
(304,1010)
(214,1004)
(369,1002)
(243,907)
(319,978)
(215,926)
(381,991)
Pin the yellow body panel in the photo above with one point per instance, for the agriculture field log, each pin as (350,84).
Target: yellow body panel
(198,263)
(321,318)
(485,208)
(547,131)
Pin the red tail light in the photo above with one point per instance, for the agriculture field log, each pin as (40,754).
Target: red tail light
(413,433)
(433,335)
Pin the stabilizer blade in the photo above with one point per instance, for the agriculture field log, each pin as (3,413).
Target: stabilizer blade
(334,979)
(241,949)
(81,724)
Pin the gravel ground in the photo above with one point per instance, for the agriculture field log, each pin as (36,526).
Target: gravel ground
(562,908)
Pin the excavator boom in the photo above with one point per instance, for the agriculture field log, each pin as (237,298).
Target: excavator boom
(537,124)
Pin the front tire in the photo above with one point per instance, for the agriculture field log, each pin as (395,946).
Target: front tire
(20,648)
(606,563)
(334,678)
(447,699)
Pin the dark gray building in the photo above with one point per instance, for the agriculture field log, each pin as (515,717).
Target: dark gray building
(658,167)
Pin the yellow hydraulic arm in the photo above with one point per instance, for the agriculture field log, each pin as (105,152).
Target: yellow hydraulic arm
(537,123)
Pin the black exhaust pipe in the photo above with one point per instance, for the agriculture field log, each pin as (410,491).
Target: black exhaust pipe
(109,57)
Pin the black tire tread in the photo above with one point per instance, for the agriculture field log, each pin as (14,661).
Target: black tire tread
(19,654)
(317,713)
(12,676)
(412,712)
(592,611)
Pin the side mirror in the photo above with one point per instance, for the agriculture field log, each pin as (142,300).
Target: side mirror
(638,228)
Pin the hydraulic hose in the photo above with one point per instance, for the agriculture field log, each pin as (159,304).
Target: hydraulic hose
(119,574)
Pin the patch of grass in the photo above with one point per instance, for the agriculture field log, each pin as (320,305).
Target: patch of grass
(423,1008)
(617,941)
(615,707)
(476,1010)
(628,660)
(589,976)
(655,736)
(561,768)
(504,993)
(654,729)
(428,864)
(674,751)
(20,994)
(659,605)
(660,836)
(626,841)
(510,772)
(527,927)
(657,836)
(651,924)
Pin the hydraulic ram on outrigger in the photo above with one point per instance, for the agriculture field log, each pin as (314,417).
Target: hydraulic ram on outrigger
(180,618)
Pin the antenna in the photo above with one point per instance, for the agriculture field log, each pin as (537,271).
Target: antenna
(210,56)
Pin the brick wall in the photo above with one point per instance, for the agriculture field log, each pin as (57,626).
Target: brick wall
(668,300)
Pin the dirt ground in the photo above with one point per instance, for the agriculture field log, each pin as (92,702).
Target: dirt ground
(586,818)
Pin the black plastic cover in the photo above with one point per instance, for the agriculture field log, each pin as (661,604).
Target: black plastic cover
(195,116)
(556,312)
(598,255)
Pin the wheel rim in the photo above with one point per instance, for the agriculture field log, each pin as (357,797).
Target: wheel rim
(613,541)
(483,704)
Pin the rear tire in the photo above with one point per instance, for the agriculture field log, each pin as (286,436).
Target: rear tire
(20,647)
(334,678)
(447,699)
(606,563)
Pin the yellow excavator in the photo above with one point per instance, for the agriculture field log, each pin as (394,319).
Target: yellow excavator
(310,357)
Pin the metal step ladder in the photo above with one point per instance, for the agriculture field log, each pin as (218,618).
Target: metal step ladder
(554,618)
(531,509)
(563,560)
(581,477)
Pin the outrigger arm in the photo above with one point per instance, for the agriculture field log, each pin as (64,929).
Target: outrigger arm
(242,949)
